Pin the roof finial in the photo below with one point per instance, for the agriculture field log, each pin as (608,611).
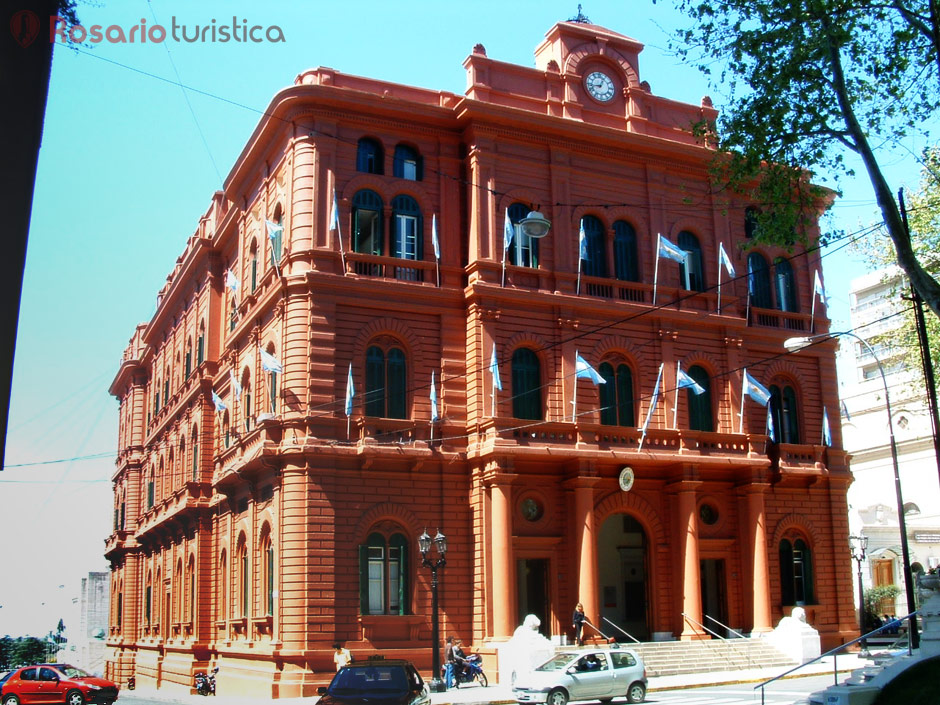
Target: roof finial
(580,17)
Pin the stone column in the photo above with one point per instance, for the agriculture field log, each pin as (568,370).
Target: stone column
(760,575)
(585,541)
(502,566)
(687,543)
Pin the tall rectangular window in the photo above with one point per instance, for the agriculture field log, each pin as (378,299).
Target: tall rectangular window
(376,580)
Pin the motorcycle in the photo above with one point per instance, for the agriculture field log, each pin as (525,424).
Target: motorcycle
(470,670)
(204,683)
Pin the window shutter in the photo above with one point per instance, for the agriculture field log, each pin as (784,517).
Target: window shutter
(363,579)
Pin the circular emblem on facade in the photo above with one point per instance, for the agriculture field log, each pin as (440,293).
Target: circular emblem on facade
(708,513)
(626,479)
(531,509)
(600,86)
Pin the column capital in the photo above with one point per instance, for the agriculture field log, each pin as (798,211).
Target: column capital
(498,472)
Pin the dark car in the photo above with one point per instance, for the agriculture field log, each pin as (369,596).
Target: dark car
(377,682)
(56,683)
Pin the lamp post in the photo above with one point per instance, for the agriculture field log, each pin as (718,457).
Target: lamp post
(859,544)
(424,546)
(798,343)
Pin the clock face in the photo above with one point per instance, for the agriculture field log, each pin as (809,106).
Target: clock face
(600,86)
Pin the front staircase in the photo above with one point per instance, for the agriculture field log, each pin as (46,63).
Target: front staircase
(669,658)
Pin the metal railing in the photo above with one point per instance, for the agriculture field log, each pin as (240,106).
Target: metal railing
(747,653)
(835,657)
(622,631)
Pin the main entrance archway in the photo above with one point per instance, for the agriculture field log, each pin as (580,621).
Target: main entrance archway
(623,570)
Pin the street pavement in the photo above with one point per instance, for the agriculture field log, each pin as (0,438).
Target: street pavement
(497,694)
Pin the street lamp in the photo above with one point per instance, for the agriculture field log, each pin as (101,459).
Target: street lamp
(424,546)
(535,226)
(798,343)
(859,544)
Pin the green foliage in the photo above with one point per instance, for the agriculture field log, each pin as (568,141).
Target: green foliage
(874,597)
(22,651)
(806,82)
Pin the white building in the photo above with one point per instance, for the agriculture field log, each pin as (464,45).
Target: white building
(872,498)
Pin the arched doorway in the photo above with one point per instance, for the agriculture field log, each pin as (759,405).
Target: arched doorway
(622,570)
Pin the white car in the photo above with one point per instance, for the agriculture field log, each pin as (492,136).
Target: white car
(586,674)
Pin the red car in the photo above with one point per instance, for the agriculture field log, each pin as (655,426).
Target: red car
(56,683)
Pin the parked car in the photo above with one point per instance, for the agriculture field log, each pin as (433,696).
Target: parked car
(586,674)
(378,682)
(56,683)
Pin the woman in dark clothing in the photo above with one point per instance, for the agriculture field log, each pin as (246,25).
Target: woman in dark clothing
(577,621)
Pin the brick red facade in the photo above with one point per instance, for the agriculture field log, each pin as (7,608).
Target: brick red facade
(242,536)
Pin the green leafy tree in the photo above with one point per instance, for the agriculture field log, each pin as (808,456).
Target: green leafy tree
(810,81)
(28,650)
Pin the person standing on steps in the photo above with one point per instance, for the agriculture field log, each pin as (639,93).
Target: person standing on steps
(449,663)
(577,621)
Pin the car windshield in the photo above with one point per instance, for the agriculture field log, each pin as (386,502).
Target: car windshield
(72,672)
(557,663)
(369,680)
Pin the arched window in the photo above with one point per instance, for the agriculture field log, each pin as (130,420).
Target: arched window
(253,265)
(785,415)
(407,163)
(796,573)
(758,280)
(367,222)
(272,384)
(626,263)
(179,469)
(383,574)
(386,374)
(690,243)
(201,344)
(233,311)
(595,264)
(156,398)
(226,430)
(407,240)
(247,408)
(195,466)
(276,237)
(616,396)
(242,576)
(189,357)
(166,385)
(148,600)
(178,592)
(119,608)
(750,222)
(526,385)
(222,607)
(150,489)
(524,250)
(700,405)
(369,156)
(785,285)
(266,559)
(190,590)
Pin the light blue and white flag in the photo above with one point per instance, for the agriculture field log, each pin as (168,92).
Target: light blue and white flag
(219,404)
(724,260)
(584,252)
(771,433)
(236,387)
(845,411)
(755,390)
(653,402)
(434,241)
(269,363)
(508,232)
(350,392)
(826,431)
(434,414)
(494,370)
(685,381)
(818,287)
(334,213)
(672,251)
(584,370)
(275,231)
(231,281)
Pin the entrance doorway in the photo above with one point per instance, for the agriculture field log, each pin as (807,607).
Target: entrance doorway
(623,567)
(532,585)
(714,594)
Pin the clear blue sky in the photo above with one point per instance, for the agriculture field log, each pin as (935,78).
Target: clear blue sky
(126,169)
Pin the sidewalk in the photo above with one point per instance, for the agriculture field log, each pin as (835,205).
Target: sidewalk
(470,695)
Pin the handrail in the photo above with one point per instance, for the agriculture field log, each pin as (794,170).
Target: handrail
(834,653)
(622,631)
(733,631)
(694,623)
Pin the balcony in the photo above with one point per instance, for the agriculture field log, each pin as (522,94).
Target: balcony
(187,501)
(771,318)
(417,271)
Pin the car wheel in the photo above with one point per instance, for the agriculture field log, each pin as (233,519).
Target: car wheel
(11,700)
(636,693)
(74,697)
(606,700)
(557,697)
(481,679)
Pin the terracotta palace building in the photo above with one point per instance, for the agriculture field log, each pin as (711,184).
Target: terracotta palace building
(281,449)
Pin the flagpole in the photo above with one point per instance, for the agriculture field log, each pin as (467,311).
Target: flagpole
(675,409)
(656,271)
(438,272)
(747,307)
(649,412)
(743,397)
(719,280)
(574,399)
(578,291)
(503,279)
(812,314)
(339,228)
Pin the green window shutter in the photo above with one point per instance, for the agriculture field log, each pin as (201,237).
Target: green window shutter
(402,544)
(625,412)
(363,579)
(607,395)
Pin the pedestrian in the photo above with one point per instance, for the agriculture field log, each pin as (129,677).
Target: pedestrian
(577,621)
(460,660)
(341,655)
(449,663)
